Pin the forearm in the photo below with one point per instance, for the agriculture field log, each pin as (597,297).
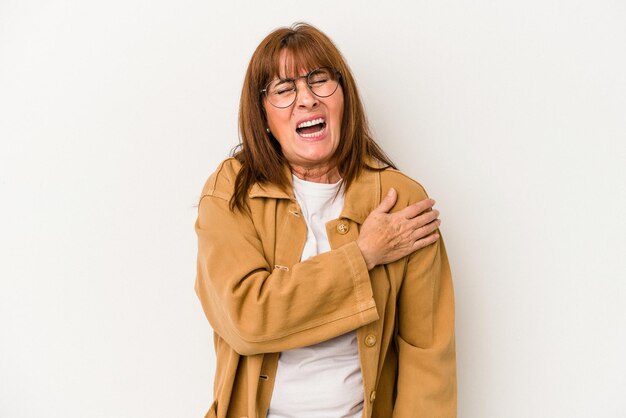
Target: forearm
(258,308)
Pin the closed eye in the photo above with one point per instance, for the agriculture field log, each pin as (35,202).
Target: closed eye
(319,81)
(282,88)
(283,91)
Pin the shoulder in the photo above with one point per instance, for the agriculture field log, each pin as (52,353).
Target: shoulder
(221,183)
(409,190)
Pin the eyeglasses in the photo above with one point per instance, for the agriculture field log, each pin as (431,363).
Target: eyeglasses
(322,82)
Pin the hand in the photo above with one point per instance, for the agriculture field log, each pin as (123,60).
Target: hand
(387,237)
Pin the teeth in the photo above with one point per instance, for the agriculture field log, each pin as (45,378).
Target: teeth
(313,135)
(311,122)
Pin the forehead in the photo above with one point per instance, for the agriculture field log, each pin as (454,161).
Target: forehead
(289,64)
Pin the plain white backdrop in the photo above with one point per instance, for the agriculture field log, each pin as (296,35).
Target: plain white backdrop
(112,115)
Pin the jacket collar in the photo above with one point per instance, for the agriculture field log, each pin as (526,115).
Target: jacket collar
(363,195)
(273,190)
(361,198)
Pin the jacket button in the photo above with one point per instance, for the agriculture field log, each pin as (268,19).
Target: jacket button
(343,228)
(370,340)
(373,396)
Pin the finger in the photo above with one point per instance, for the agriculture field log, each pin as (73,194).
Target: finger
(426,241)
(388,201)
(415,209)
(425,230)
(425,218)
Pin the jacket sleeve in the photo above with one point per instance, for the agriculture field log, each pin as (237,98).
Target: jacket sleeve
(426,347)
(258,309)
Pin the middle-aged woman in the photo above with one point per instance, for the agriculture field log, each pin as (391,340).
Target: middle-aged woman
(319,264)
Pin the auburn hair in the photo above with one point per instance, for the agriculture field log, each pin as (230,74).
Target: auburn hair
(259,152)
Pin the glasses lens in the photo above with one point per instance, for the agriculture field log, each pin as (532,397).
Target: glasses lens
(281,93)
(323,82)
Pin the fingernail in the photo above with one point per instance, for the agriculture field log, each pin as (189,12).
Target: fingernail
(390,192)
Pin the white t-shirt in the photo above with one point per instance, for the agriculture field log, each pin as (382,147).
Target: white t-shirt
(322,380)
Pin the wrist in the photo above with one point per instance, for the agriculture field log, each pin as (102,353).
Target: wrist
(367,257)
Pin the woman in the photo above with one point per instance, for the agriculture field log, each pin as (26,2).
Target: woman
(319,265)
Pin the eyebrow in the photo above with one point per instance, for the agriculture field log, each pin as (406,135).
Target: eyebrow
(283,79)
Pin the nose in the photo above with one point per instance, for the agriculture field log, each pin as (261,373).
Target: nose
(305,98)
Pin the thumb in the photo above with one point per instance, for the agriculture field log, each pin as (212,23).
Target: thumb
(388,201)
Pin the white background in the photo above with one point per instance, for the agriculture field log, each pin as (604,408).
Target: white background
(112,115)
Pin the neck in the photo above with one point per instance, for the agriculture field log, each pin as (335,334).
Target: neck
(326,174)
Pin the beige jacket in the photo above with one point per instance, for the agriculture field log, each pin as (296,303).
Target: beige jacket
(261,300)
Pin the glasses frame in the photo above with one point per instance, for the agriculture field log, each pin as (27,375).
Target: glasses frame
(335,71)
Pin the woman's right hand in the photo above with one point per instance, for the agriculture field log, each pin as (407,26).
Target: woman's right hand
(387,237)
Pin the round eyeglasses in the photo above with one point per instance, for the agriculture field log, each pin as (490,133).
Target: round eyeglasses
(282,92)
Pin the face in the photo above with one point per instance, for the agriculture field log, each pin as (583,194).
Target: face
(309,147)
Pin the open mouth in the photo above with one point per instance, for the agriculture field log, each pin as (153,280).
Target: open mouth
(311,128)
